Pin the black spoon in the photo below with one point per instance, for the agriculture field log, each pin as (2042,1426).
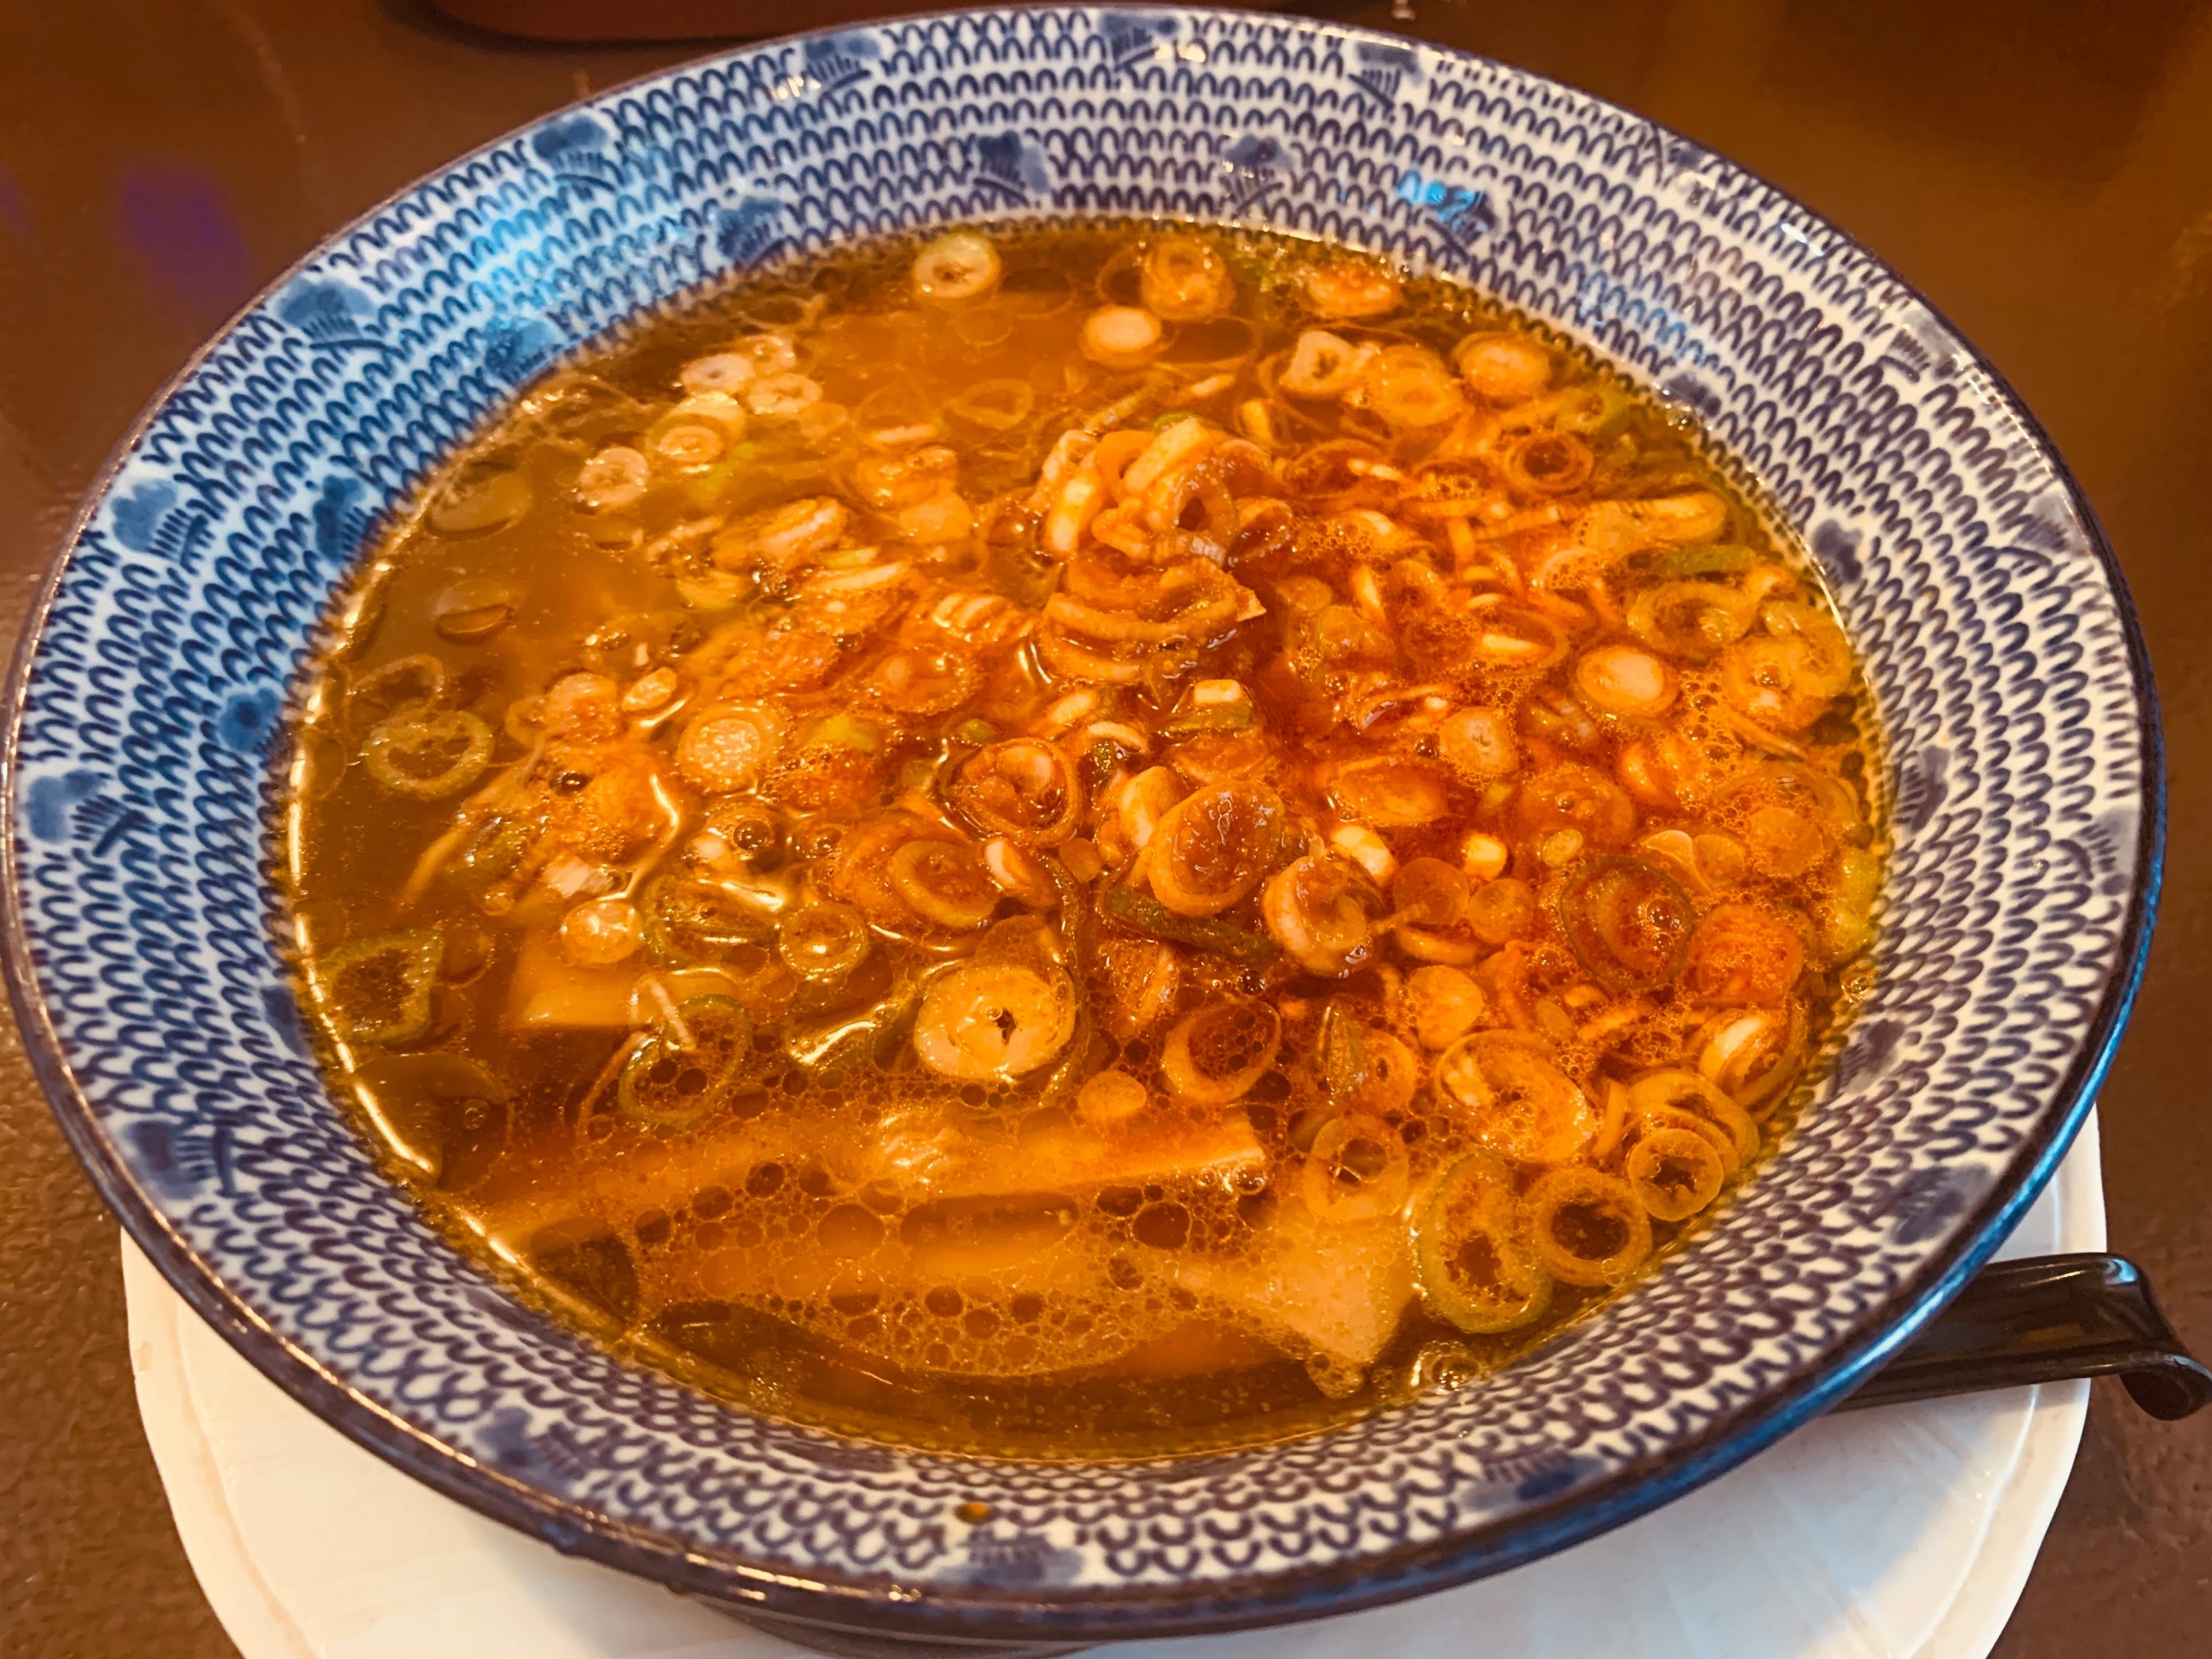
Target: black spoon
(2044,1320)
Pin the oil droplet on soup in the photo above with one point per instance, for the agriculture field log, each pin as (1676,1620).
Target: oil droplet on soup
(1081,841)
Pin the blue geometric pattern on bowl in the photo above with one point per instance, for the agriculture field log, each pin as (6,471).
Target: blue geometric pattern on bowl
(1990,621)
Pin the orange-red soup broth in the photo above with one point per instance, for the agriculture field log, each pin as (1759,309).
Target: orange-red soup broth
(1081,841)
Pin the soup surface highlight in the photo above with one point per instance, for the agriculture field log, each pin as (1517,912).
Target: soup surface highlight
(1080,840)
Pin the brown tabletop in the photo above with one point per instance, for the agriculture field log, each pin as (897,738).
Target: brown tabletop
(2042,170)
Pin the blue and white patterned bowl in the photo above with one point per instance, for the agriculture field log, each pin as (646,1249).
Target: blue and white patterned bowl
(1996,634)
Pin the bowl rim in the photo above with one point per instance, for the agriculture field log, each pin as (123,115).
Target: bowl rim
(820,1598)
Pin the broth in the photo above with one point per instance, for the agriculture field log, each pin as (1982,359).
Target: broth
(1080,840)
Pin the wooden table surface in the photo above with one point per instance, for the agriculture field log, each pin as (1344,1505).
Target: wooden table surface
(2042,171)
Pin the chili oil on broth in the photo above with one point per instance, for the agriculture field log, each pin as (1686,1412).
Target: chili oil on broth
(1080,841)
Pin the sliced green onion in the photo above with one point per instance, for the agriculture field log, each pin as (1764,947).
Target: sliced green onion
(707,489)
(695,434)
(947,882)
(692,921)
(1236,717)
(428,753)
(1099,761)
(1340,1056)
(1597,411)
(1358,1170)
(1586,1226)
(492,852)
(1475,1272)
(1217,1052)
(994,406)
(843,731)
(378,990)
(689,1067)
(871,1035)
(824,940)
(1629,922)
(1707,560)
(716,590)
(1145,913)
(473,609)
(1694,621)
(481,498)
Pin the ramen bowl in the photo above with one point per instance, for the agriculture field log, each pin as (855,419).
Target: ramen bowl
(150,733)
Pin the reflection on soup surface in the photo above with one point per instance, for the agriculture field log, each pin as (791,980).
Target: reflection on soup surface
(1080,840)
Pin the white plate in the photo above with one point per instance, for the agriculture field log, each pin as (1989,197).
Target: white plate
(1907,1530)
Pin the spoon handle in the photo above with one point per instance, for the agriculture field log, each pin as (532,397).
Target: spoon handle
(2045,1319)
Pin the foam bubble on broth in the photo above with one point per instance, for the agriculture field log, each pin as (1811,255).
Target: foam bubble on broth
(800,788)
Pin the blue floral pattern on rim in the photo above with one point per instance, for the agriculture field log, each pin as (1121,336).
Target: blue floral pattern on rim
(1995,629)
